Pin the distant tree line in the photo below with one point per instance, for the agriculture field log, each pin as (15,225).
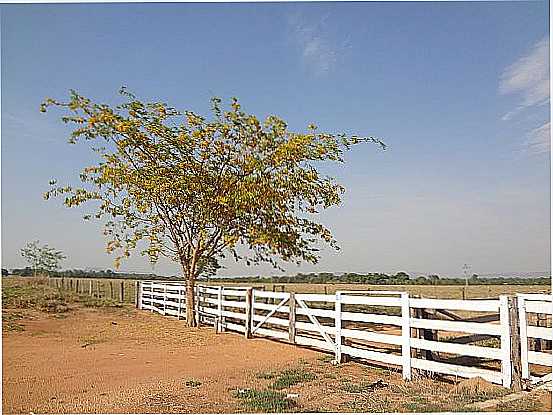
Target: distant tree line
(80,273)
(401,278)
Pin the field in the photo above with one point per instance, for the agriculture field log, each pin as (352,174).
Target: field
(110,288)
(428,291)
(69,353)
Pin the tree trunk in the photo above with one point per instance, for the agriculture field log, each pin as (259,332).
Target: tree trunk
(190,302)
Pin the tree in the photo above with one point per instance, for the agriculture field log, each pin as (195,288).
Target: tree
(194,189)
(43,259)
(5,272)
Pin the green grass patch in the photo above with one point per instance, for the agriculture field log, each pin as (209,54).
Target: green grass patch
(265,375)
(291,377)
(265,400)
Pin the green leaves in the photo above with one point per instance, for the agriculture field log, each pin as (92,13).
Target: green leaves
(190,188)
(41,258)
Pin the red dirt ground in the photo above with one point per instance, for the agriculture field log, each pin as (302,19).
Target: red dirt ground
(129,366)
(122,360)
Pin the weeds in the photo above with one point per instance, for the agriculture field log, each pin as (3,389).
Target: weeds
(291,377)
(265,400)
(265,375)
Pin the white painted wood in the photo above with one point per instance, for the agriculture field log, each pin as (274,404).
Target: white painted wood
(300,325)
(311,317)
(309,341)
(505,340)
(235,304)
(375,301)
(338,327)
(540,332)
(372,318)
(220,308)
(467,305)
(373,336)
(275,309)
(543,307)
(270,294)
(233,293)
(321,298)
(536,297)
(460,326)
(235,327)
(540,358)
(461,349)
(271,320)
(456,370)
(319,312)
(523,337)
(263,306)
(372,355)
(406,337)
(272,333)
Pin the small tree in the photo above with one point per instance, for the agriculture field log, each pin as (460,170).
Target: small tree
(43,259)
(196,190)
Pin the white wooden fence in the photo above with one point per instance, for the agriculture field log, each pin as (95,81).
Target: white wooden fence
(535,308)
(380,326)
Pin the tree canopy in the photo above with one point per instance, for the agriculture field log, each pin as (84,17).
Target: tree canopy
(196,189)
(42,259)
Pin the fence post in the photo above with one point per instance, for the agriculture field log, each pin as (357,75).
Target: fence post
(523,321)
(77,286)
(139,295)
(122,291)
(338,327)
(292,319)
(406,336)
(505,340)
(220,308)
(181,291)
(90,288)
(164,298)
(514,327)
(249,317)
(136,295)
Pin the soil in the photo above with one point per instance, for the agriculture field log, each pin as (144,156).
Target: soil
(129,361)
(123,360)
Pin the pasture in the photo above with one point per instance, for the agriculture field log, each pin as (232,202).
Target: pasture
(68,352)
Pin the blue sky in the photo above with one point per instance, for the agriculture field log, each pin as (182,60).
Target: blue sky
(459,92)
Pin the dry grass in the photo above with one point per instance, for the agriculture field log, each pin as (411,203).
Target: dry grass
(428,291)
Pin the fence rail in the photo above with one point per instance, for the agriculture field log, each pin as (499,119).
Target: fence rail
(387,327)
(535,314)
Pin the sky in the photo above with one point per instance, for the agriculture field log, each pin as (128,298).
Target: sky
(459,91)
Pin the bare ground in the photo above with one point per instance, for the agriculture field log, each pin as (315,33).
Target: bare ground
(122,360)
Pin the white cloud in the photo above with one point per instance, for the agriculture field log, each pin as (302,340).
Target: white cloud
(318,51)
(539,139)
(529,76)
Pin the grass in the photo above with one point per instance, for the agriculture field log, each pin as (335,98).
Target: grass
(290,377)
(192,383)
(28,293)
(265,400)
(265,375)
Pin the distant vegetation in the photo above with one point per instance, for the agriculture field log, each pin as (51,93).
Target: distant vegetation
(401,278)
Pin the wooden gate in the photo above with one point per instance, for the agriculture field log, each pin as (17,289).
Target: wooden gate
(535,314)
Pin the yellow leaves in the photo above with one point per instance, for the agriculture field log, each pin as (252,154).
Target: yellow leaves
(122,127)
